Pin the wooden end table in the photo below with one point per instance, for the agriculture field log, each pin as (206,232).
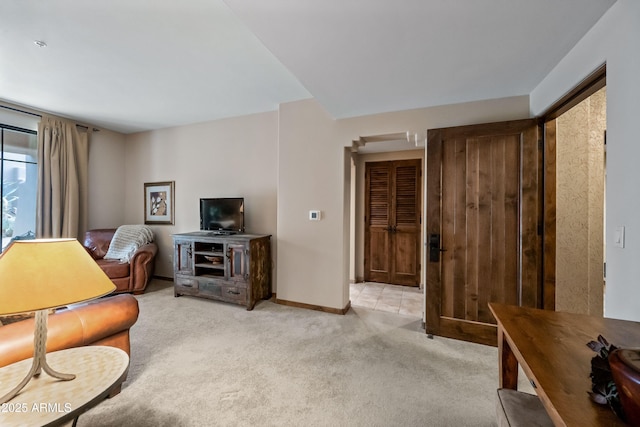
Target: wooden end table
(551,347)
(46,401)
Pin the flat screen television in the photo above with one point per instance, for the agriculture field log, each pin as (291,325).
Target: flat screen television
(224,215)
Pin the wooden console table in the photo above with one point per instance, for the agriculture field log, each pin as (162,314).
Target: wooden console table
(551,347)
(46,401)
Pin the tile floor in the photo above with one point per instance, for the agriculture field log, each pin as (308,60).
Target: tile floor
(405,300)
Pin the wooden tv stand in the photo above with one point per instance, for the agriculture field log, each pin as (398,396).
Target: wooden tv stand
(234,268)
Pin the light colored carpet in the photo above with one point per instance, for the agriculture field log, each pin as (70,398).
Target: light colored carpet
(197,362)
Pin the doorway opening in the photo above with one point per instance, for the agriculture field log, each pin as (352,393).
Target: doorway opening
(577,138)
(398,299)
(392,156)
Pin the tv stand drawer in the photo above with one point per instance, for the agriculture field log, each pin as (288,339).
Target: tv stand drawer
(210,288)
(235,294)
(185,286)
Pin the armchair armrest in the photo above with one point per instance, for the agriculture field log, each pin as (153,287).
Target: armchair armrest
(96,322)
(142,265)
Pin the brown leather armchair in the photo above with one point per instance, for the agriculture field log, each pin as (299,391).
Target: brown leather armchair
(128,277)
(104,321)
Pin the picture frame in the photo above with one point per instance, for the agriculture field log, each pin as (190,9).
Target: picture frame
(159,205)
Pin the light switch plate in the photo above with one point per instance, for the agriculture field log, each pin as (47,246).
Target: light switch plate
(315,215)
(618,237)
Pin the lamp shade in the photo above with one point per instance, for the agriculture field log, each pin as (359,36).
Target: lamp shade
(48,273)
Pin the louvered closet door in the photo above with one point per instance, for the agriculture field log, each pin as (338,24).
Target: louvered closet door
(392,222)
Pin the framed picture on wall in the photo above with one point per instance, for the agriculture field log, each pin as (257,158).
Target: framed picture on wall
(159,202)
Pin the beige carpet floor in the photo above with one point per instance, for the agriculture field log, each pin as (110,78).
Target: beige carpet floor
(196,362)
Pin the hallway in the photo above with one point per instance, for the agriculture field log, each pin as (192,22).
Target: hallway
(404,300)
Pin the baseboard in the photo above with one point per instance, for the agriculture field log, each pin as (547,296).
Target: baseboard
(291,303)
(315,307)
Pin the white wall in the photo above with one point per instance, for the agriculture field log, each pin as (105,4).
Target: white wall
(233,157)
(613,39)
(107,179)
(314,173)
(310,177)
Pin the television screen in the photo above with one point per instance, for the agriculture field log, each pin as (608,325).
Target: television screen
(222,214)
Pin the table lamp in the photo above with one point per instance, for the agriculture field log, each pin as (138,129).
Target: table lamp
(38,275)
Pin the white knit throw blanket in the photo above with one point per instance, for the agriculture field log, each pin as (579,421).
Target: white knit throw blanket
(127,240)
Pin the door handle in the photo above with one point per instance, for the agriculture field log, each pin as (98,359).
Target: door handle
(434,248)
(391,229)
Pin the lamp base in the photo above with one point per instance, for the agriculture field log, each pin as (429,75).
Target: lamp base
(39,358)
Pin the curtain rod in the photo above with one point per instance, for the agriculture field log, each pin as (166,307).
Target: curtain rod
(21,111)
(40,115)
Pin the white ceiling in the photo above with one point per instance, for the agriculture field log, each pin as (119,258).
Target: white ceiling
(135,65)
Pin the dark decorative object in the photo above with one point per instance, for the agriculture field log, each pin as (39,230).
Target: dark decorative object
(625,368)
(603,388)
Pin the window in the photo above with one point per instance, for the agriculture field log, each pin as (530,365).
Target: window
(19,170)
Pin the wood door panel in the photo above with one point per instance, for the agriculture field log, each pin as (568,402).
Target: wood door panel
(379,192)
(463,329)
(487,213)
(502,259)
(392,222)
(407,198)
(549,215)
(406,225)
(477,212)
(379,255)
(451,256)
(377,201)
(532,193)
(406,267)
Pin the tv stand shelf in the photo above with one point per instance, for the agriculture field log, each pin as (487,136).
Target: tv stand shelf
(227,267)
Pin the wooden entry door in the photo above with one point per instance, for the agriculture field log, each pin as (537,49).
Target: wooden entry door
(484,225)
(393,222)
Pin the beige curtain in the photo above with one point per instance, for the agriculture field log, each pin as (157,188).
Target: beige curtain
(63,161)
